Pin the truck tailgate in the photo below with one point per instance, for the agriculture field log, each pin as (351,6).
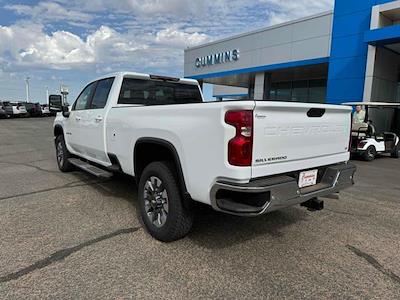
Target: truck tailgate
(296,136)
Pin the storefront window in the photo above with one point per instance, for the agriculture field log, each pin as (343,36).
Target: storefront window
(317,91)
(272,93)
(299,91)
(284,91)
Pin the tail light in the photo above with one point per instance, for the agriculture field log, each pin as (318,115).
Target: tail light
(240,148)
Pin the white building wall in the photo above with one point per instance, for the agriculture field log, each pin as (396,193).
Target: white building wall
(304,39)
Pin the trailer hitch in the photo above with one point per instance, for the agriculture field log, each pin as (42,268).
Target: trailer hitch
(313,204)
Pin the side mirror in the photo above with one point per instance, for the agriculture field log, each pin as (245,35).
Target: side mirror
(65,111)
(55,103)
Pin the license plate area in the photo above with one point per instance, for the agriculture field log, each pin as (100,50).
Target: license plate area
(308,178)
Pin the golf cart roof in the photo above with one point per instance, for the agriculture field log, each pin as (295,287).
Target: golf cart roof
(381,104)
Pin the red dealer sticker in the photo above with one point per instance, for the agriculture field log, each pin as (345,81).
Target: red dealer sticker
(308,178)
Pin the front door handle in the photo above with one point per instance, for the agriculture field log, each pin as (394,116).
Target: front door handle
(99,119)
(78,118)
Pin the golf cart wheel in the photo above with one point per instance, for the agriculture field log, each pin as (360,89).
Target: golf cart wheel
(161,206)
(62,155)
(370,153)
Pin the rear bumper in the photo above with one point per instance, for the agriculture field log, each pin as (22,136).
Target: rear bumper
(276,192)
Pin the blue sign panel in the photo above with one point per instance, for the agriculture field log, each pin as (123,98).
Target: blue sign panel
(348,59)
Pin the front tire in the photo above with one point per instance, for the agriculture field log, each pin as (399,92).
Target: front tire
(370,153)
(161,205)
(62,155)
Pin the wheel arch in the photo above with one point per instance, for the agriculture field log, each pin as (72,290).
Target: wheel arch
(58,130)
(159,149)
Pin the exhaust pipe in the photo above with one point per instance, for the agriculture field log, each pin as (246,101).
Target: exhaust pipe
(313,204)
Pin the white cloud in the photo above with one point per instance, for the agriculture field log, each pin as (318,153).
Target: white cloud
(58,50)
(31,46)
(50,11)
(283,11)
(28,45)
(135,27)
(139,7)
(176,38)
(216,18)
(219,17)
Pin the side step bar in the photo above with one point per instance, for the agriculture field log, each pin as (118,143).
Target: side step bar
(96,171)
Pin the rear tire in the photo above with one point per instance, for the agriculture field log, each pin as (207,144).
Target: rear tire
(370,153)
(161,206)
(62,155)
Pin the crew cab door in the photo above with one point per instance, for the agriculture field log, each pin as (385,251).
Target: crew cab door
(74,125)
(94,123)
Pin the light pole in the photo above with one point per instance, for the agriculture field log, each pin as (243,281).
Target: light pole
(64,92)
(47,95)
(27,88)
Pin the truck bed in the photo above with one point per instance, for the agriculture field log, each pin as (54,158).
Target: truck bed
(285,138)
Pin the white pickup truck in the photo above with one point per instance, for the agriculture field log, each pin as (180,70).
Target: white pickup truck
(245,158)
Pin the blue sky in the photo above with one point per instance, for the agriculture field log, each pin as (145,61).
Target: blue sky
(72,42)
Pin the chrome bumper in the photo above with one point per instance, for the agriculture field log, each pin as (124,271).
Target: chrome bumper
(278,192)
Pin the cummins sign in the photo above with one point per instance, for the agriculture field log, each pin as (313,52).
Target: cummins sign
(217,58)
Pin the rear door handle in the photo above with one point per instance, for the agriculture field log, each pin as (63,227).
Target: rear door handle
(99,119)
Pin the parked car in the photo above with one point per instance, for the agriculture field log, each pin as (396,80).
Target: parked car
(3,112)
(16,109)
(34,109)
(45,110)
(245,158)
(8,108)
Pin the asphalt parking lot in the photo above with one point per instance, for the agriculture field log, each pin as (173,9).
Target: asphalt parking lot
(75,236)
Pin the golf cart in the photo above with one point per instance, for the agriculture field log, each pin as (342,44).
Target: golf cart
(378,132)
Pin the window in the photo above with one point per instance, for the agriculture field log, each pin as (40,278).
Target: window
(284,91)
(272,93)
(101,94)
(300,91)
(313,90)
(317,91)
(83,100)
(152,92)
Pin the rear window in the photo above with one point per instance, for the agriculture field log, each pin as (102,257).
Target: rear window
(153,92)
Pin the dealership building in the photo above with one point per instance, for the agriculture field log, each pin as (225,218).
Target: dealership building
(349,54)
